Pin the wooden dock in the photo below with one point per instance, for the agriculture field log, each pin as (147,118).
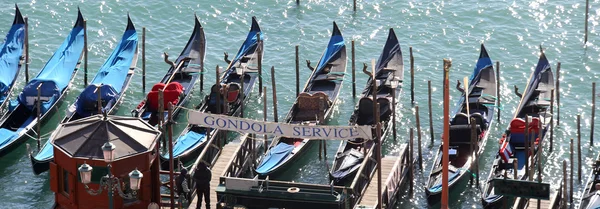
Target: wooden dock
(217,170)
(369,199)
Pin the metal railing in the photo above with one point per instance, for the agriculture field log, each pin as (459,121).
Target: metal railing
(395,179)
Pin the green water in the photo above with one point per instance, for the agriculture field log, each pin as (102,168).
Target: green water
(511,30)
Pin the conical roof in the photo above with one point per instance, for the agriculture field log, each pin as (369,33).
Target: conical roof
(84,138)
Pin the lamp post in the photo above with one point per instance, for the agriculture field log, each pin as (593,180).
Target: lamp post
(110,182)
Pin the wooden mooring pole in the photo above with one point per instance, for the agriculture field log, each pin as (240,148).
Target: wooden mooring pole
(354,6)
(571,173)
(579,147)
(201,71)
(39,116)
(498,89)
(260,74)
(558,94)
(297,71)
(431,134)
(171,162)
(85,53)
(144,60)
(551,119)
(242,96)
(379,151)
(218,82)
(587,8)
(394,113)
(99,99)
(593,114)
(410,161)
(419,136)
(564,192)
(26,50)
(353,72)
(527,148)
(472,145)
(412,76)
(274,90)
(446,139)
(264,88)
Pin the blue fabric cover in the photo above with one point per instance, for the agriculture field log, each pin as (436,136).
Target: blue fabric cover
(46,153)
(49,94)
(274,156)
(10,55)
(114,70)
(8,136)
(58,71)
(250,41)
(185,142)
(335,44)
(88,99)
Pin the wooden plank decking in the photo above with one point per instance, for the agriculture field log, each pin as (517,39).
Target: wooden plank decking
(217,171)
(369,199)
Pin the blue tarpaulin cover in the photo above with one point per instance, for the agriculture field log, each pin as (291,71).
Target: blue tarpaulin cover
(47,152)
(112,75)
(88,99)
(185,142)
(274,156)
(10,55)
(335,44)
(250,41)
(58,70)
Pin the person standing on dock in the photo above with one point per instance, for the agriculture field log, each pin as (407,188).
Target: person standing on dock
(182,184)
(202,176)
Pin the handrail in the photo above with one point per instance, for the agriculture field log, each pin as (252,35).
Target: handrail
(363,176)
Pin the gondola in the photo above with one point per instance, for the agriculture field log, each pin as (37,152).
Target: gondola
(535,102)
(179,81)
(481,100)
(389,74)
(316,100)
(590,199)
(11,57)
(243,68)
(53,81)
(111,82)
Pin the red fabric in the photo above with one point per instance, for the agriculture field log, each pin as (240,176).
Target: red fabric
(505,152)
(232,96)
(517,125)
(170,95)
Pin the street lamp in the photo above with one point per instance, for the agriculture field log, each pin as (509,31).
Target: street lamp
(110,182)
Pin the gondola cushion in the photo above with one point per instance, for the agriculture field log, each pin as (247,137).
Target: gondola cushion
(87,103)
(461,134)
(170,95)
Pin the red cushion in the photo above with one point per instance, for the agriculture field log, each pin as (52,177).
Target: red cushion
(170,95)
(176,86)
(517,125)
(158,86)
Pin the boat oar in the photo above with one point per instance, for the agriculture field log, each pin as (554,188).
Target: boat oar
(466,81)
(173,66)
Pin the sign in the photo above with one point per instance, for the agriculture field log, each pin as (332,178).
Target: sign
(520,188)
(244,125)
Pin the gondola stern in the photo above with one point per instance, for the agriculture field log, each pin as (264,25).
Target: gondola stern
(18,16)
(80,21)
(130,25)
(336,30)
(483,53)
(255,27)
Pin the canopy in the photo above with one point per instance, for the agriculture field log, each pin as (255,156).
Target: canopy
(114,71)
(10,54)
(84,137)
(336,43)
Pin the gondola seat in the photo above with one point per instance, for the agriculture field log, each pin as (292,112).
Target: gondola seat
(480,120)
(171,95)
(233,92)
(461,134)
(460,119)
(310,106)
(517,131)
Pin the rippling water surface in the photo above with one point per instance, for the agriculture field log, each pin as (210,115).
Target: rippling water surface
(511,30)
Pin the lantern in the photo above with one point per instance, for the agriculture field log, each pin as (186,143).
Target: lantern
(85,172)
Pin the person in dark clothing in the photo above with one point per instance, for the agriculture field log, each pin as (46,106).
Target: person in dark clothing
(202,176)
(183,183)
